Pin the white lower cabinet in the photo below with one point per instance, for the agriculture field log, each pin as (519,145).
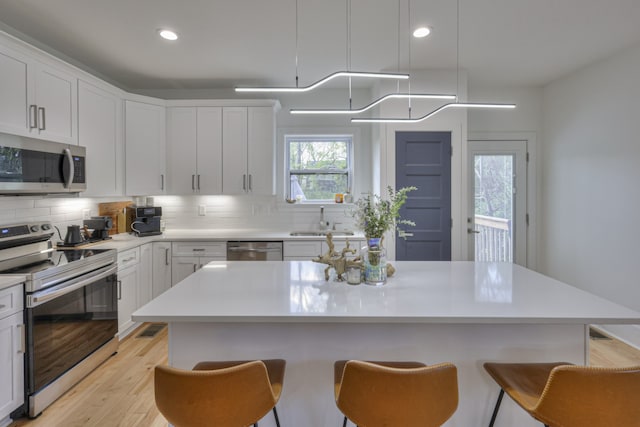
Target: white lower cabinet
(301,250)
(134,284)
(161,268)
(188,257)
(12,348)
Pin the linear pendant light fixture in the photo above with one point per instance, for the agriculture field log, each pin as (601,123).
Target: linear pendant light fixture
(445,106)
(434,112)
(373,104)
(348,73)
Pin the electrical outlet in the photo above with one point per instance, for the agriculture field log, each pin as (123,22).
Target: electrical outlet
(86,213)
(202,210)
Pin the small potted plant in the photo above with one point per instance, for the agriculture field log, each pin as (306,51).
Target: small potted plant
(375,216)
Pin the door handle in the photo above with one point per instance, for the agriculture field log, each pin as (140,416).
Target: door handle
(119,290)
(471,231)
(250,183)
(33,116)
(166,256)
(198,186)
(42,124)
(193,182)
(23,339)
(68,168)
(244,182)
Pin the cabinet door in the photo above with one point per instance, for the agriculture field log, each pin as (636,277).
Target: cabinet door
(14,109)
(302,249)
(11,364)
(209,150)
(56,98)
(100,130)
(127,298)
(181,150)
(161,267)
(182,267)
(234,150)
(145,147)
(261,151)
(145,274)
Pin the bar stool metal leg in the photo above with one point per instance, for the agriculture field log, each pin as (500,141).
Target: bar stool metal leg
(275,414)
(495,409)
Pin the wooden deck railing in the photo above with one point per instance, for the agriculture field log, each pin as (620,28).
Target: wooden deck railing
(494,240)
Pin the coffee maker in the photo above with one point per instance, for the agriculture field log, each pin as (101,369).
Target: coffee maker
(143,220)
(100,226)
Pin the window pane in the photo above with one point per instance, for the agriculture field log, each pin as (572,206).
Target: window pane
(318,155)
(318,187)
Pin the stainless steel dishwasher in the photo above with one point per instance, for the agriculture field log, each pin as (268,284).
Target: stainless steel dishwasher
(254,251)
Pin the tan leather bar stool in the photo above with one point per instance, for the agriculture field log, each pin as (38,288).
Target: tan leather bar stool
(222,394)
(395,394)
(562,394)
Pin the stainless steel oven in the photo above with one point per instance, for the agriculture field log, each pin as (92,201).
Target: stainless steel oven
(71,313)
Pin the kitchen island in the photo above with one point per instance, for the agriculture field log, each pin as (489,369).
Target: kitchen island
(462,312)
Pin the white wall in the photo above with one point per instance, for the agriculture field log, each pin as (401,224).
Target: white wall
(591,172)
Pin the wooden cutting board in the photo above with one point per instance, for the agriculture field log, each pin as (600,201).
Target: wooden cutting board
(116,211)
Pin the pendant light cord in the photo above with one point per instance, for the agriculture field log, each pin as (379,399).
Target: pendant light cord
(457,50)
(409,70)
(297,80)
(349,49)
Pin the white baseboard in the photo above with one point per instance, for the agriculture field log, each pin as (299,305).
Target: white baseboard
(629,334)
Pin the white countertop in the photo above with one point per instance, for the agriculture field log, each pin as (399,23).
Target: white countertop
(124,241)
(6,281)
(424,292)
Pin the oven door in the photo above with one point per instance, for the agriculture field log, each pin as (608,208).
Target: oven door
(68,322)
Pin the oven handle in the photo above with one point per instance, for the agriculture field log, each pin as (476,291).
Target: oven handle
(57,291)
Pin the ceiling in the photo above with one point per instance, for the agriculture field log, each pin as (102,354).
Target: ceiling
(224,43)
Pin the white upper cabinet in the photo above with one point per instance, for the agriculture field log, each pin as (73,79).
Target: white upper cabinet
(145,148)
(100,130)
(248,150)
(13,92)
(36,99)
(194,149)
(55,105)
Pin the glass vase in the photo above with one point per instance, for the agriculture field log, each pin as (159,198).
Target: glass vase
(374,257)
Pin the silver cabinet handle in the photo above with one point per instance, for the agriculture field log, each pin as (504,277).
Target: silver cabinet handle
(23,339)
(198,181)
(250,183)
(166,256)
(198,249)
(193,182)
(42,125)
(470,231)
(195,267)
(119,290)
(244,182)
(33,116)
(162,181)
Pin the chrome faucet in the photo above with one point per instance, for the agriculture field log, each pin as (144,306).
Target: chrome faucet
(323,224)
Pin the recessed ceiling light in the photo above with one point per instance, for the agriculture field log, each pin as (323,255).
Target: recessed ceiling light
(421,32)
(168,34)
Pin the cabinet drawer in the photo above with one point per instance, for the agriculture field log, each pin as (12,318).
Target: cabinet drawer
(128,258)
(11,300)
(209,249)
(302,249)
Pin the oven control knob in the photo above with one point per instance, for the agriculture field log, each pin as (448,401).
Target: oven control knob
(34,228)
(46,227)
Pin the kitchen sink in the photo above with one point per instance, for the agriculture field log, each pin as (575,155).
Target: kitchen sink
(322,233)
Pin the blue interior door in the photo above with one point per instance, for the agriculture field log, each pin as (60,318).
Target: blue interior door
(423,160)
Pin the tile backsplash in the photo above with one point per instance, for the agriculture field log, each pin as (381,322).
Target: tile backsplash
(183,212)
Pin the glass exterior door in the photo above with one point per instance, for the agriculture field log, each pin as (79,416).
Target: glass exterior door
(497,220)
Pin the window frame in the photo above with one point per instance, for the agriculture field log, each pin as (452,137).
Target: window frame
(310,137)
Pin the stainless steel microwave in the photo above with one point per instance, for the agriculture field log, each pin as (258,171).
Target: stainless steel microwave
(34,166)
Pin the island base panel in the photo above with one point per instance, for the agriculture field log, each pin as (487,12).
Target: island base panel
(310,350)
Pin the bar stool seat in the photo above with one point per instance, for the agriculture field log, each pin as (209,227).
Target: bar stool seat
(563,394)
(395,394)
(220,393)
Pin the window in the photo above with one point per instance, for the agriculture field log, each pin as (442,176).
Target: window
(318,166)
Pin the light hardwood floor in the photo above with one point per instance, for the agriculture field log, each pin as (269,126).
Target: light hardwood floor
(120,392)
